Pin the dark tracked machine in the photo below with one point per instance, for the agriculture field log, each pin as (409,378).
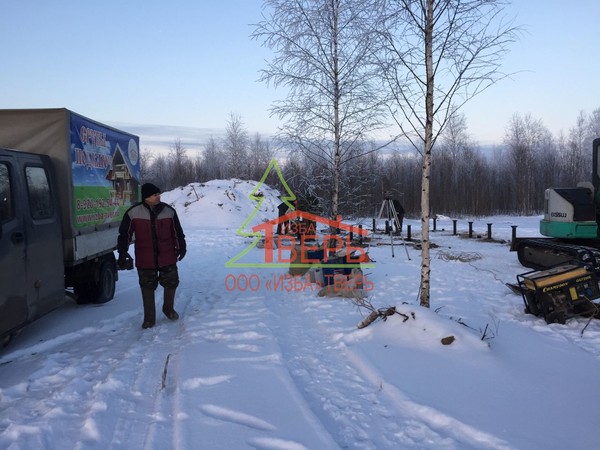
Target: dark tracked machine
(566,263)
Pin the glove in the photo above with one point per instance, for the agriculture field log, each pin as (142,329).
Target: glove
(125,261)
(181,253)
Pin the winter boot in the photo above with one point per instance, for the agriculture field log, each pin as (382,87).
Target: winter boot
(149,308)
(168,304)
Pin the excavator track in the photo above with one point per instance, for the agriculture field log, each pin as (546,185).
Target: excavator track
(542,254)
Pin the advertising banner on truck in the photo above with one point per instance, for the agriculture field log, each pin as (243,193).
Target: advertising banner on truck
(105,170)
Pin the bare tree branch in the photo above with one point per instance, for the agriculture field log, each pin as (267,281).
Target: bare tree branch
(324,57)
(435,56)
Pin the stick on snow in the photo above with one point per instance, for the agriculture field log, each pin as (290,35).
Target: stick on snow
(164,376)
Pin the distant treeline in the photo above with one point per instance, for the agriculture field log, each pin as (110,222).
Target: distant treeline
(466,180)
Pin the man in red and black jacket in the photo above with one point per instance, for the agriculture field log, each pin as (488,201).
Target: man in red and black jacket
(159,243)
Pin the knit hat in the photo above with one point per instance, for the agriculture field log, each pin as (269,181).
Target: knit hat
(148,189)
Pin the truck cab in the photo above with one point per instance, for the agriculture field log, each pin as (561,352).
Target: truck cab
(31,251)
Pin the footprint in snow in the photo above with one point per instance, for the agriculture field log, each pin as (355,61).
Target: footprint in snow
(229,415)
(275,444)
(197,382)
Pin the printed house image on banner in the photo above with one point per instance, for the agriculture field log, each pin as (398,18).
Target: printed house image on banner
(124,185)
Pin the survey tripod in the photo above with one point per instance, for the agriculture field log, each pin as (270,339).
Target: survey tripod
(392,215)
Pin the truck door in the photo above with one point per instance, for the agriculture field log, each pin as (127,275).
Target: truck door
(13,299)
(43,238)
(31,254)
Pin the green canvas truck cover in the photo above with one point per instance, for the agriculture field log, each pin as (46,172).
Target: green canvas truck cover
(97,168)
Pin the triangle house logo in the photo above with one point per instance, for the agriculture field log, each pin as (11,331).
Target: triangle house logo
(302,242)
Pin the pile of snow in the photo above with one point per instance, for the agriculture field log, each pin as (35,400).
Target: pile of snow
(221,203)
(279,368)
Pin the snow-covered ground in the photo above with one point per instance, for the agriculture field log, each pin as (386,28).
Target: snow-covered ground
(271,368)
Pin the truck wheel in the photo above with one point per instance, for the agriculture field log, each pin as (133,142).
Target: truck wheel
(105,288)
(83,292)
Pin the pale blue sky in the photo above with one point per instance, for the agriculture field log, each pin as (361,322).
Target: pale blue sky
(146,64)
(556,65)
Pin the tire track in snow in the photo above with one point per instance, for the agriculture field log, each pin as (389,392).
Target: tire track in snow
(70,386)
(241,361)
(98,383)
(349,406)
(164,423)
(468,436)
(136,385)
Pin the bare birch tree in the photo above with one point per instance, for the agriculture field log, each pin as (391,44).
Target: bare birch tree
(160,174)
(213,160)
(574,153)
(594,126)
(146,161)
(179,162)
(259,156)
(451,186)
(235,148)
(525,139)
(437,56)
(323,57)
